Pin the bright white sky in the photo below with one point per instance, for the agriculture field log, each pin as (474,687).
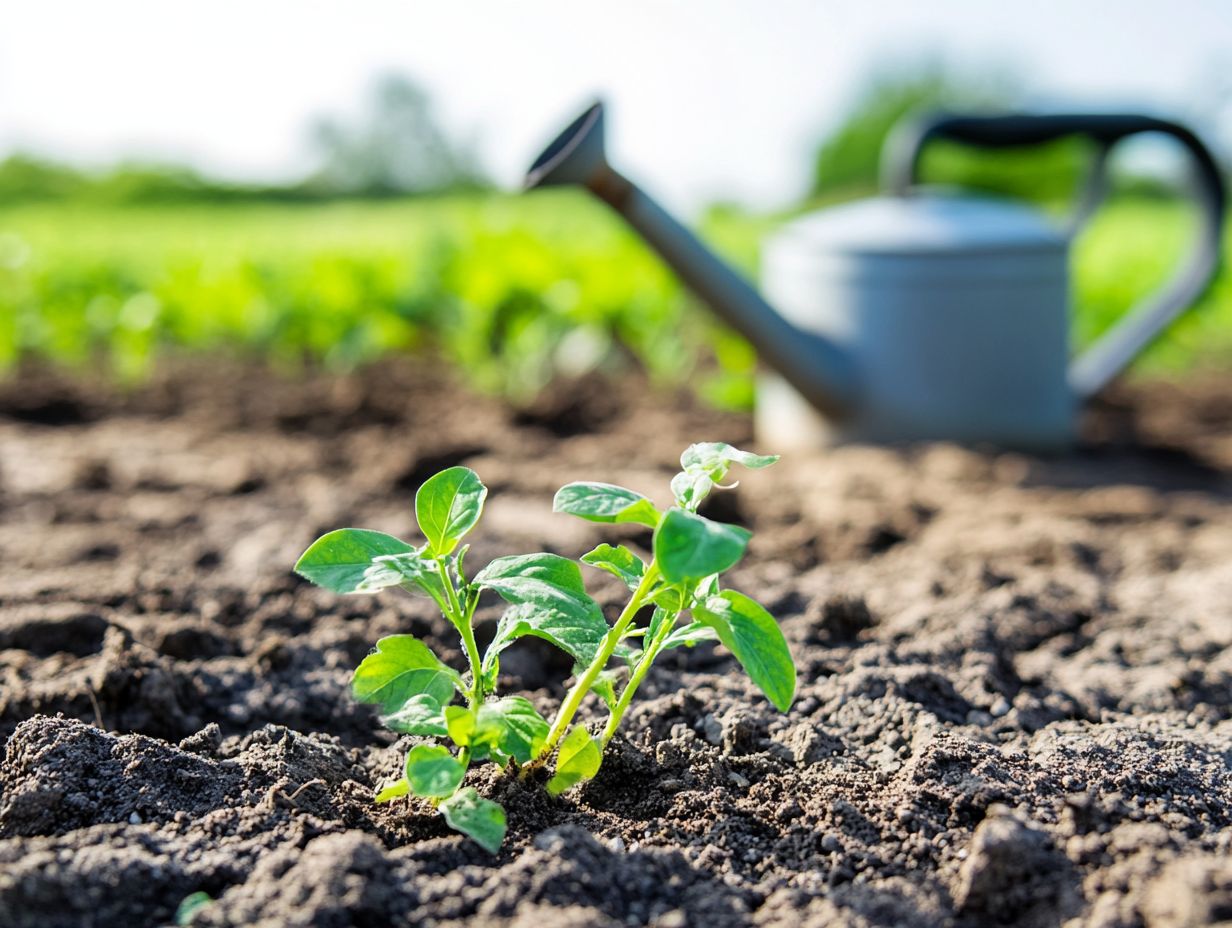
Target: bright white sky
(709,98)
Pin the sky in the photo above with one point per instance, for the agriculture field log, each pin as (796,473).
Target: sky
(708,100)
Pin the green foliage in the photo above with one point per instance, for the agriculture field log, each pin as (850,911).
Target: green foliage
(512,292)
(602,502)
(705,466)
(415,691)
(549,601)
(432,772)
(848,160)
(689,553)
(190,906)
(342,560)
(1048,174)
(618,561)
(411,687)
(688,546)
(482,820)
(447,506)
(752,635)
(401,668)
(520,730)
(578,759)
(422,714)
(391,791)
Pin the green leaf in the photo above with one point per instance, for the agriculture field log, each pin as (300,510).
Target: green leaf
(705,465)
(578,759)
(419,715)
(433,772)
(489,671)
(671,598)
(714,456)
(688,546)
(340,560)
(481,820)
(401,569)
(689,635)
(530,577)
(603,502)
(459,725)
(488,735)
(578,634)
(400,668)
(190,906)
(689,489)
(657,618)
(754,637)
(520,730)
(618,561)
(550,602)
(605,686)
(394,790)
(447,506)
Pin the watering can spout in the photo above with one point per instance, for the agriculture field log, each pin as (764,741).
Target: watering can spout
(821,371)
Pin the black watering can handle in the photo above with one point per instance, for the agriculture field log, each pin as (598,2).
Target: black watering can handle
(1092,370)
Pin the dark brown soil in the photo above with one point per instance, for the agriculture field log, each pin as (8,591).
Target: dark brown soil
(1016,680)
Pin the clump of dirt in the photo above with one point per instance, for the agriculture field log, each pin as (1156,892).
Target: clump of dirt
(1015,700)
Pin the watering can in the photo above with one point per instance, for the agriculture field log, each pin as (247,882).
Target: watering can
(916,315)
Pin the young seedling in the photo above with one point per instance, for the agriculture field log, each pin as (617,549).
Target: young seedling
(414,689)
(417,693)
(682,577)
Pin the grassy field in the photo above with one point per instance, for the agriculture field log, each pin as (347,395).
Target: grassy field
(509,288)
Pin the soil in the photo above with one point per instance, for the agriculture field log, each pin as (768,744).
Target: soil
(1016,682)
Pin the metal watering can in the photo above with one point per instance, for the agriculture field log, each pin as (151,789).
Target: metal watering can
(916,315)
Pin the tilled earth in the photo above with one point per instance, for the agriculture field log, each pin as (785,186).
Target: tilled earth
(1016,681)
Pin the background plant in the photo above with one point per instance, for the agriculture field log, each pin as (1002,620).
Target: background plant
(509,291)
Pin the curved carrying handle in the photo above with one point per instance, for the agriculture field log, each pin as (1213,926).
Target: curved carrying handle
(1096,366)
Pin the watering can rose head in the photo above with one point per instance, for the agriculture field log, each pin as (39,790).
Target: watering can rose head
(915,315)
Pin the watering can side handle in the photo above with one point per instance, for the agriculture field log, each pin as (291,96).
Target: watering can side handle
(1096,366)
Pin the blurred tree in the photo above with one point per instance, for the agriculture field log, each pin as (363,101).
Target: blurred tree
(395,147)
(847,161)
(28,177)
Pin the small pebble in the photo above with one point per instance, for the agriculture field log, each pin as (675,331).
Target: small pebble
(134,819)
(1000,708)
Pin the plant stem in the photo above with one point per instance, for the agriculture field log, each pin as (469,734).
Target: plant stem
(635,679)
(462,619)
(573,700)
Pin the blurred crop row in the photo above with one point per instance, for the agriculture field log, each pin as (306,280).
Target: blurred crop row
(512,290)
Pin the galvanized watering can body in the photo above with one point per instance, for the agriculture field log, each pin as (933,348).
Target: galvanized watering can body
(914,315)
